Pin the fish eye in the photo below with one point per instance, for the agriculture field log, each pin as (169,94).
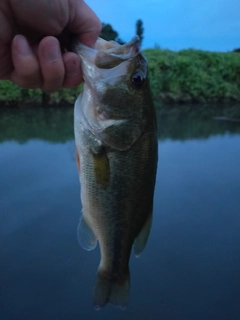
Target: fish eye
(138,79)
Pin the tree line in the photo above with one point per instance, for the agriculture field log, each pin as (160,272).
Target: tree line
(108,33)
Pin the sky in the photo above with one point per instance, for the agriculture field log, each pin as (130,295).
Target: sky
(212,25)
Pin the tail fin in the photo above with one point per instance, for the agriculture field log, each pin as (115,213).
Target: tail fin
(111,290)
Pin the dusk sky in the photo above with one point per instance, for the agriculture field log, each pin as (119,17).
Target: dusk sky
(212,25)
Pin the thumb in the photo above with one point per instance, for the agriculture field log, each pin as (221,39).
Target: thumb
(83,22)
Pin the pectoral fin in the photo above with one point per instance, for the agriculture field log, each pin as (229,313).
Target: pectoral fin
(86,237)
(141,239)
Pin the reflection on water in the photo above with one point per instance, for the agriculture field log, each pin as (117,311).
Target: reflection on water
(190,267)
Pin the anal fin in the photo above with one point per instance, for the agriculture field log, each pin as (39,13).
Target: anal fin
(141,239)
(86,237)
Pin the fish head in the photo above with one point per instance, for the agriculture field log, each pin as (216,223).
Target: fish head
(116,78)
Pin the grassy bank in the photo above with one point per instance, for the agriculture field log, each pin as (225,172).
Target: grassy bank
(12,95)
(194,75)
(184,76)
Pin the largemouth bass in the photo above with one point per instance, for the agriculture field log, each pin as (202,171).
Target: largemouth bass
(116,147)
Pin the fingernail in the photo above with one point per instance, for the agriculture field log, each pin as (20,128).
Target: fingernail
(22,45)
(51,50)
(72,67)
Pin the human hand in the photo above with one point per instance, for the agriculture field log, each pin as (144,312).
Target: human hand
(30,53)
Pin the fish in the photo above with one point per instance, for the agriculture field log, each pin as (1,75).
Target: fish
(116,150)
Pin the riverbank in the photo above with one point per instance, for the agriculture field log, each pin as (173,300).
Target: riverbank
(190,76)
(11,95)
(187,76)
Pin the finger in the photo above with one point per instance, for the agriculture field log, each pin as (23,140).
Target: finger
(84,23)
(51,63)
(73,72)
(26,71)
(6,65)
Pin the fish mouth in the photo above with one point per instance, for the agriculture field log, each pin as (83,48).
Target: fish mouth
(107,54)
(110,54)
(107,63)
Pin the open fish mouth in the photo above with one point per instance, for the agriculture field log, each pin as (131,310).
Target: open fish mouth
(108,54)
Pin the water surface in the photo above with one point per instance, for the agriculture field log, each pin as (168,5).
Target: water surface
(190,267)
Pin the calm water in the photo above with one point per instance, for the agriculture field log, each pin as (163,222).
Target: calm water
(190,268)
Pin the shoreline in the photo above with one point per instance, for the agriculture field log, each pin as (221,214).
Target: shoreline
(183,77)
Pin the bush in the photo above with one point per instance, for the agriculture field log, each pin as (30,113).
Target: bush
(11,94)
(194,75)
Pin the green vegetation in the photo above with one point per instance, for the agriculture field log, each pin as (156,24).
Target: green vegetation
(194,75)
(12,95)
(184,76)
